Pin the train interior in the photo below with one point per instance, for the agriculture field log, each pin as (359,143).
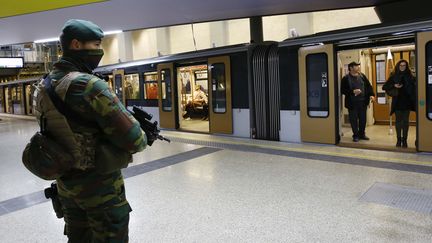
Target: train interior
(192,87)
(377,63)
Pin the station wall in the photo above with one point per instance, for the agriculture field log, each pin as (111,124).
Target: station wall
(149,43)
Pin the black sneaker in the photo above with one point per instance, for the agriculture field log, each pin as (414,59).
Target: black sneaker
(356,139)
(364,137)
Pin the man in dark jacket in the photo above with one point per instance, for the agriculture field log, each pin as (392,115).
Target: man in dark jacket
(358,93)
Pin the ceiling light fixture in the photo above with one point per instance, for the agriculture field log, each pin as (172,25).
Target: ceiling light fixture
(47,40)
(112,32)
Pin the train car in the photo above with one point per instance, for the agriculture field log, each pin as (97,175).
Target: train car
(286,91)
(16,97)
(319,62)
(165,87)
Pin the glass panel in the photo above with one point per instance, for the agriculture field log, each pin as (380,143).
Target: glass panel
(380,79)
(118,86)
(29,97)
(218,87)
(1,100)
(110,81)
(8,100)
(132,86)
(150,86)
(166,90)
(16,100)
(429,80)
(317,85)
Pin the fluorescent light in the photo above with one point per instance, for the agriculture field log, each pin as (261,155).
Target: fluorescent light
(47,40)
(111,32)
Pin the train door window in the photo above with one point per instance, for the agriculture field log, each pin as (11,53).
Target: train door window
(132,91)
(17,99)
(150,86)
(429,80)
(118,86)
(380,67)
(218,88)
(317,85)
(166,90)
(7,100)
(29,99)
(110,81)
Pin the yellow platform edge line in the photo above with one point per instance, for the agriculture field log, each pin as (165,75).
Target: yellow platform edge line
(312,151)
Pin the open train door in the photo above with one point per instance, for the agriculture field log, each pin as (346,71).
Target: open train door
(317,94)
(166,95)
(118,85)
(220,108)
(424,91)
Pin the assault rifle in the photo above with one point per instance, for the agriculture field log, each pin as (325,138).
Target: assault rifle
(150,128)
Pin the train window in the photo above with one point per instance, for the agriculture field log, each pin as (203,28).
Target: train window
(380,68)
(429,80)
(132,86)
(317,85)
(218,87)
(150,86)
(166,89)
(118,80)
(110,81)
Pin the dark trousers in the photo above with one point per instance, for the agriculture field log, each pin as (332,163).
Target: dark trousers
(357,117)
(402,123)
(193,111)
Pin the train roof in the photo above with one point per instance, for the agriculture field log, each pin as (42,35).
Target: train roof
(361,34)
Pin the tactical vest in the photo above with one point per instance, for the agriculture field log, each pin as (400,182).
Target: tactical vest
(80,145)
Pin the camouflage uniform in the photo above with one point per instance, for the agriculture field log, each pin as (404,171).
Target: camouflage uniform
(94,204)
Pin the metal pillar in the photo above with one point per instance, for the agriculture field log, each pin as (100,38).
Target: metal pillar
(256,29)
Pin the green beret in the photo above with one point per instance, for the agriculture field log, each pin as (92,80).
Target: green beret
(81,30)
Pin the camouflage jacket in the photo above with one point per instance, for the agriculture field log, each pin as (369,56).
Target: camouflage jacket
(91,97)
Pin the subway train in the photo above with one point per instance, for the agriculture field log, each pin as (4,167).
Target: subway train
(280,91)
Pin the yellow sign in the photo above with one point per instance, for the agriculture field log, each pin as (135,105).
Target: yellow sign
(11,8)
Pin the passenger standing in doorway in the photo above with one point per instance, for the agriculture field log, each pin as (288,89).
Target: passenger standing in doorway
(358,93)
(402,79)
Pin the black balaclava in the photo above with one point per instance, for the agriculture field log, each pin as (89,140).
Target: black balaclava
(83,31)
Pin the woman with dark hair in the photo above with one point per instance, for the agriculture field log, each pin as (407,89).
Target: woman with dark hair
(402,83)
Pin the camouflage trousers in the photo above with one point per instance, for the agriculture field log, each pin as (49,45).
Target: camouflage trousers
(95,207)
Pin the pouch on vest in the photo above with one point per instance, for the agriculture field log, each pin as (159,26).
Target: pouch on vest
(45,158)
(110,158)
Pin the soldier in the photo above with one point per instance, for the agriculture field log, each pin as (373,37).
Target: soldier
(104,135)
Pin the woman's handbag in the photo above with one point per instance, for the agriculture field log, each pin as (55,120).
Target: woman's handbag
(393,92)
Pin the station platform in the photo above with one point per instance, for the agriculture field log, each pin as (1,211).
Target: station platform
(210,188)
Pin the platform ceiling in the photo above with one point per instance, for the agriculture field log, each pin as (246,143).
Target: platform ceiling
(138,14)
